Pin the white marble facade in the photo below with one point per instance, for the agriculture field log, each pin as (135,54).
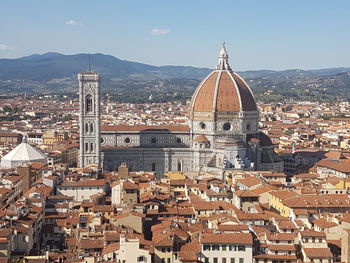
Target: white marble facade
(219,136)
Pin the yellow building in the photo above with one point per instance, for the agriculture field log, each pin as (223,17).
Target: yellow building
(344,183)
(276,199)
(175,175)
(50,138)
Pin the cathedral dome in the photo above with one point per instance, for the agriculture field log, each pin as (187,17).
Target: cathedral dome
(223,91)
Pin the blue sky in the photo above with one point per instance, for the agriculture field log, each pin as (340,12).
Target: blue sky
(261,34)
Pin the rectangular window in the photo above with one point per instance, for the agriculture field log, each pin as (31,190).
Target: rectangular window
(223,260)
(140,259)
(241,248)
(241,260)
(206,260)
(206,247)
(215,260)
(232,260)
(223,248)
(215,247)
(168,260)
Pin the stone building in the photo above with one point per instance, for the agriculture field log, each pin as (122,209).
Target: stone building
(221,134)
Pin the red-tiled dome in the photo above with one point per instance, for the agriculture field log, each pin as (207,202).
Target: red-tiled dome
(223,91)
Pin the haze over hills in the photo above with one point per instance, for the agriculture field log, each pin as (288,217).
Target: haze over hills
(54,72)
(55,66)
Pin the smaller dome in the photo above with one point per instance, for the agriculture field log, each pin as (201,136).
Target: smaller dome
(22,153)
(265,140)
(260,137)
(201,138)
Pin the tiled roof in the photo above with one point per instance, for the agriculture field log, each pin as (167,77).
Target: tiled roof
(223,91)
(189,252)
(232,227)
(280,237)
(249,181)
(91,244)
(138,128)
(318,252)
(342,165)
(281,247)
(283,194)
(317,201)
(227,238)
(311,233)
(85,183)
(201,138)
(245,193)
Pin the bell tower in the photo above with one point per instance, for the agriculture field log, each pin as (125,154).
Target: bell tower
(89,117)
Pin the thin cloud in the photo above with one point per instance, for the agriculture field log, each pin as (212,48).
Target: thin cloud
(71,22)
(5,47)
(157,31)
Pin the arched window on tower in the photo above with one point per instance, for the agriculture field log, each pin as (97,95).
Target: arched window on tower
(86,147)
(91,147)
(88,103)
(86,128)
(91,128)
(179,166)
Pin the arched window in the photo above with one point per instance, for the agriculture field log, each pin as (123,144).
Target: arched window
(86,147)
(91,147)
(88,103)
(91,127)
(179,166)
(86,127)
(248,127)
(153,167)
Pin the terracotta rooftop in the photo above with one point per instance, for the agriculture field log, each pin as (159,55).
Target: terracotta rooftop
(138,128)
(318,252)
(227,238)
(311,233)
(200,138)
(223,91)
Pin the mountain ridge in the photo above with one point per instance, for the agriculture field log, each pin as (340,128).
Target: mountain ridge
(57,73)
(53,65)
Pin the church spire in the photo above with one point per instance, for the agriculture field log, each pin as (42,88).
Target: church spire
(223,59)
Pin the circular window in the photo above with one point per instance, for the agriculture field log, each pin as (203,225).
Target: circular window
(202,125)
(178,140)
(153,140)
(127,140)
(102,140)
(226,126)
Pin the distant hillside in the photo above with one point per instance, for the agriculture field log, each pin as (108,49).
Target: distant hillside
(52,65)
(56,73)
